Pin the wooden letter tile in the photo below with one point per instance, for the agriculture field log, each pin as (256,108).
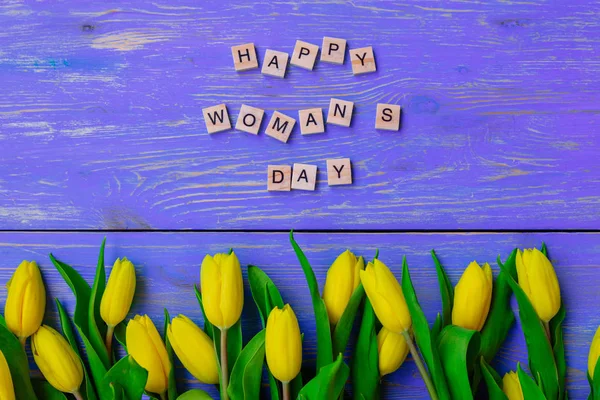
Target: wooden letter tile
(279,178)
(339,172)
(244,57)
(280,126)
(216,118)
(333,50)
(311,121)
(304,55)
(388,117)
(275,63)
(249,119)
(363,60)
(304,177)
(340,112)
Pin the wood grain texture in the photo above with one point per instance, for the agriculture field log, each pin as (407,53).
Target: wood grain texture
(101,124)
(168,266)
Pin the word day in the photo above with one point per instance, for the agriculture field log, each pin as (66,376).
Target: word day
(283,178)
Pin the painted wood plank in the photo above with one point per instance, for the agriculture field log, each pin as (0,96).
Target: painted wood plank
(101,122)
(168,266)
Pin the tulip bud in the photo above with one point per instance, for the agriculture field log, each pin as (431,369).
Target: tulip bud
(7,391)
(342,279)
(283,344)
(119,292)
(594,353)
(472,297)
(194,348)
(56,359)
(148,350)
(222,289)
(26,301)
(386,297)
(393,350)
(511,386)
(538,280)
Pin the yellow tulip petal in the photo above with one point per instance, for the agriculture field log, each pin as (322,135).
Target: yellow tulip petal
(7,391)
(511,386)
(594,353)
(146,347)
(393,350)
(283,344)
(210,286)
(26,300)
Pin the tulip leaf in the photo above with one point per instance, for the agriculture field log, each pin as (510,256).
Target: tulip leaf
(558,348)
(129,376)
(209,329)
(116,391)
(46,391)
(2,321)
(96,325)
(81,289)
(172,387)
(324,343)
(595,382)
(263,289)
(195,394)
(341,333)
(446,291)
(531,391)
(247,372)
(492,381)
(329,382)
(423,336)
(541,356)
(121,335)
(365,361)
(97,369)
(437,327)
(458,348)
(17,364)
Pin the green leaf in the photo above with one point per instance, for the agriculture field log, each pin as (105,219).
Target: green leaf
(365,361)
(195,394)
(436,329)
(247,371)
(2,321)
(209,329)
(81,289)
(121,335)
(531,391)
(263,289)
(172,389)
(492,381)
(426,344)
(129,375)
(446,291)
(97,368)
(95,323)
(17,364)
(558,348)
(595,382)
(541,356)
(341,333)
(458,348)
(46,391)
(324,343)
(329,382)
(116,392)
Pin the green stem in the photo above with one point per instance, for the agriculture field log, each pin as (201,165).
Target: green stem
(77,395)
(23,341)
(424,374)
(224,367)
(163,396)
(547,329)
(109,338)
(286,390)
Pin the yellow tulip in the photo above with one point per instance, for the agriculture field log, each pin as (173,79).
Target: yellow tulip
(393,349)
(26,301)
(194,348)
(386,297)
(594,353)
(7,391)
(148,350)
(342,279)
(472,297)
(283,344)
(511,386)
(539,282)
(222,289)
(118,295)
(56,360)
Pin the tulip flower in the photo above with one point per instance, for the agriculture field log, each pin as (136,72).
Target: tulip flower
(194,348)
(511,386)
(148,350)
(472,297)
(538,280)
(7,391)
(393,349)
(117,297)
(594,353)
(342,279)
(26,301)
(57,360)
(283,345)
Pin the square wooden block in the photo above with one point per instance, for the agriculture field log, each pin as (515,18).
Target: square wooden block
(311,121)
(280,126)
(340,112)
(339,172)
(279,178)
(304,55)
(388,117)
(216,118)
(363,60)
(249,119)
(333,50)
(244,57)
(275,63)
(304,177)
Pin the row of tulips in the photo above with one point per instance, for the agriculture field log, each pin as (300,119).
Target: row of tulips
(452,355)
